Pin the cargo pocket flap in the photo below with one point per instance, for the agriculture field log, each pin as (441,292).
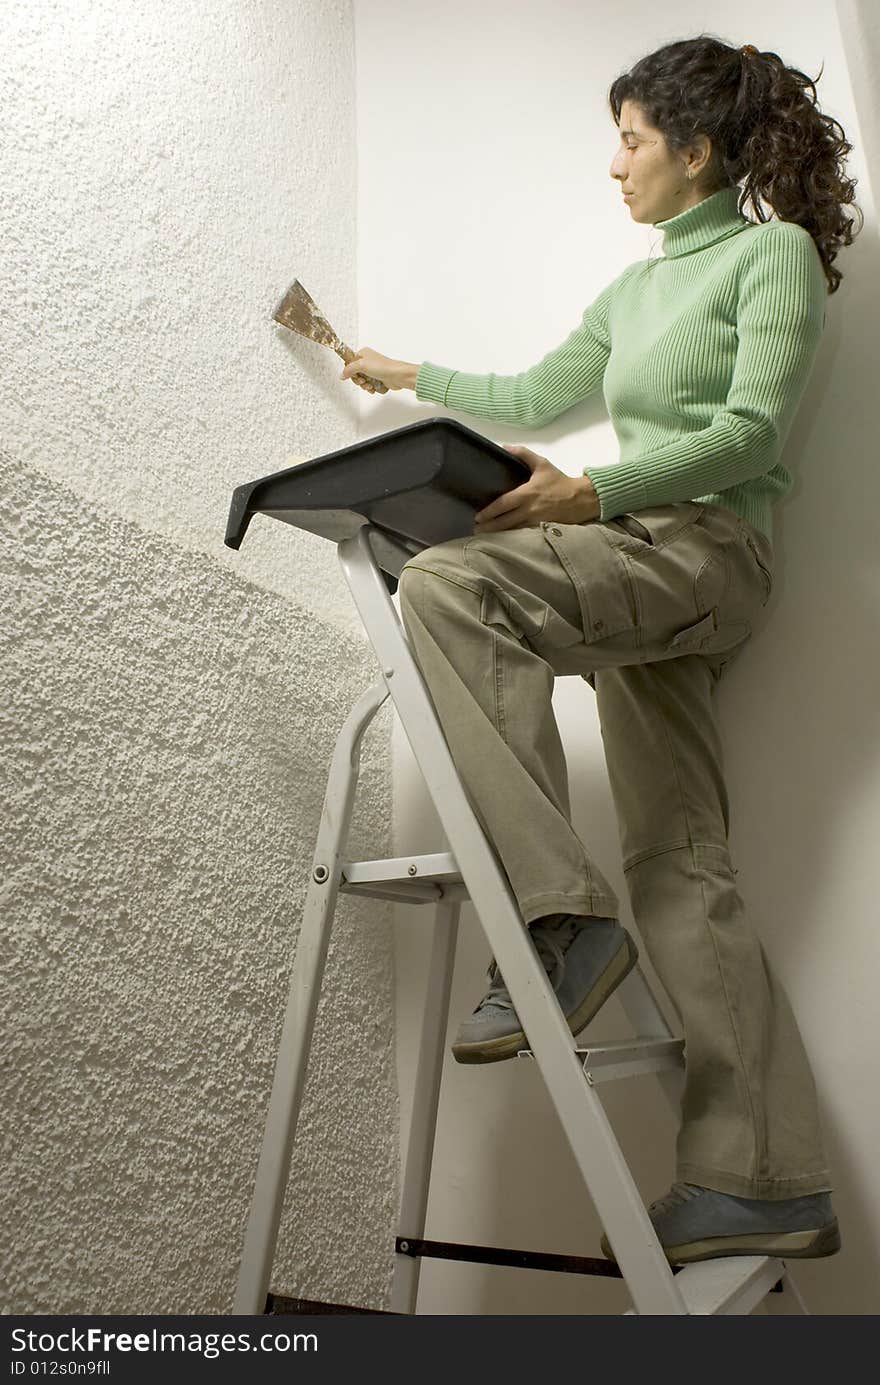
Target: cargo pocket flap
(696,634)
(600,575)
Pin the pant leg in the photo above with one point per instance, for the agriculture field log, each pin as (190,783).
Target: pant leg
(491,620)
(750,1122)
(492,692)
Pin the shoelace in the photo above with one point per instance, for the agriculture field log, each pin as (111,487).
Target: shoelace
(678,1193)
(552,942)
(497,993)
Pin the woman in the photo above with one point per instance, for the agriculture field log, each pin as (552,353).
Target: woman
(645,577)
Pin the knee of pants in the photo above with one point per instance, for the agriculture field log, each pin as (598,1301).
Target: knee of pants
(438,556)
(436,563)
(465,595)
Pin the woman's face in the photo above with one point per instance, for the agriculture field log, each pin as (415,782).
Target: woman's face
(655,178)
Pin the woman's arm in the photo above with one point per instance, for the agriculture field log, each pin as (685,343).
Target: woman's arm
(562,378)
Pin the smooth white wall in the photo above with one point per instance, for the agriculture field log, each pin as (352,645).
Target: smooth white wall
(487,221)
(171,706)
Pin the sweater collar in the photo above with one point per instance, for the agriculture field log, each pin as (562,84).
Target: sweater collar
(710,220)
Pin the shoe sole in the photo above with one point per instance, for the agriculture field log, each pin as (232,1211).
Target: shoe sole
(788,1245)
(496,1050)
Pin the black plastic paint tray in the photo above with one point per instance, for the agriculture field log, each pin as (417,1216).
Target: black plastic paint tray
(421,484)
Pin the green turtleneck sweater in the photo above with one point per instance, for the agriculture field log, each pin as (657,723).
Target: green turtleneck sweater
(703,356)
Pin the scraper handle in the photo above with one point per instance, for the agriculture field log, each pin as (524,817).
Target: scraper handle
(348,355)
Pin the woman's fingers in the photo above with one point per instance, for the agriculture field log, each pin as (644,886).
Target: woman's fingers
(352,373)
(355,367)
(384,369)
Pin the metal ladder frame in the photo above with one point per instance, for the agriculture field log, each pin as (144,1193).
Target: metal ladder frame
(470,870)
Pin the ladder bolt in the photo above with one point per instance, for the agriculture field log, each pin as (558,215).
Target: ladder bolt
(388,672)
(413,870)
(404,1246)
(320,873)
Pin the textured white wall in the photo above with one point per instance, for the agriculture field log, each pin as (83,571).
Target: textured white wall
(171,706)
(488,220)
(168,170)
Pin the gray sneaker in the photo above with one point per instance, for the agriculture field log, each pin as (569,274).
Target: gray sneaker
(586,959)
(695,1223)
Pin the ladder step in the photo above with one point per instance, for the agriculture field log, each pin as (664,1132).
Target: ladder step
(409,879)
(732,1285)
(604,1062)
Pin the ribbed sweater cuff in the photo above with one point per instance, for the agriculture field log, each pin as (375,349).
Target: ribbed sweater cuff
(620,489)
(432,382)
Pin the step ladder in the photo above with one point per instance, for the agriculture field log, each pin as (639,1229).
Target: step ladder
(471,870)
(372,554)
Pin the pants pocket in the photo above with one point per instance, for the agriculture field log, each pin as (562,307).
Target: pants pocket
(634,527)
(524,625)
(763,569)
(695,636)
(600,576)
(652,527)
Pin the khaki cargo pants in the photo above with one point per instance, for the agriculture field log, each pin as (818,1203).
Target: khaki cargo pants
(648,608)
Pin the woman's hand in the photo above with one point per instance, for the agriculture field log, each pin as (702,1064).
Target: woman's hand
(395,375)
(548,494)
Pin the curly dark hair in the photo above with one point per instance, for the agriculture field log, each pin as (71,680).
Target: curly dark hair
(766,132)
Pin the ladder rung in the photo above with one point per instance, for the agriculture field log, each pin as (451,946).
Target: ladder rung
(603,1062)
